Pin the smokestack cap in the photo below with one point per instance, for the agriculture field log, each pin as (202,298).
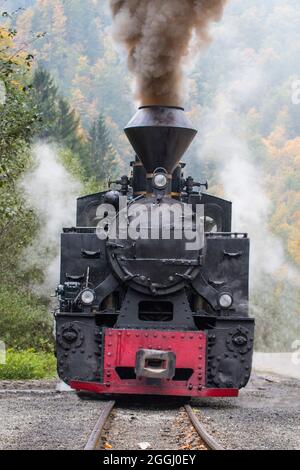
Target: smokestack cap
(160,135)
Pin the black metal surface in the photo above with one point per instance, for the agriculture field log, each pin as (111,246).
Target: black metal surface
(231,271)
(132,317)
(78,348)
(229,353)
(156,267)
(160,136)
(139,177)
(81,252)
(177,180)
(217,211)
(156,284)
(87,209)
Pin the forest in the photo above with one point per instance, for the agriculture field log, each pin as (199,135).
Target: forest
(65,96)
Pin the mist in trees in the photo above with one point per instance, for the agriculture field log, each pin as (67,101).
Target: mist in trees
(242,85)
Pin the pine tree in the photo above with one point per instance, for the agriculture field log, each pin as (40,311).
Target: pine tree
(45,94)
(103,156)
(59,122)
(67,123)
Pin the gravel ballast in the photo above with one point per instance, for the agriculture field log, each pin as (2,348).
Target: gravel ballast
(150,423)
(266,416)
(45,419)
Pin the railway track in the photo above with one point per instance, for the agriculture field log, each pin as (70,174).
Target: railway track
(208,440)
(95,437)
(27,392)
(94,442)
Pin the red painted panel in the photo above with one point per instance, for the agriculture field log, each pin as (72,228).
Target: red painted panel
(102,389)
(120,350)
(121,347)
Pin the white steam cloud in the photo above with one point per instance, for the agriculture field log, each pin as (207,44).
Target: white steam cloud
(51,192)
(225,141)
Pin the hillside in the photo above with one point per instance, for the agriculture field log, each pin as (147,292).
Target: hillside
(240,98)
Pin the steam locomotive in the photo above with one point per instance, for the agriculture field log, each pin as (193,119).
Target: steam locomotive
(147,315)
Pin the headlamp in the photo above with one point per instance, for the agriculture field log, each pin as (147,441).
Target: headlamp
(160,181)
(87,296)
(225,300)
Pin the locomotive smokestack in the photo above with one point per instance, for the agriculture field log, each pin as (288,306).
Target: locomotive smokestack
(160,135)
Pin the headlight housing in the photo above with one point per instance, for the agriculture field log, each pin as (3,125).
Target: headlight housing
(87,296)
(226,300)
(160,181)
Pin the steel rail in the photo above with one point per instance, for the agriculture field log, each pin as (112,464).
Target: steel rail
(205,436)
(27,392)
(94,439)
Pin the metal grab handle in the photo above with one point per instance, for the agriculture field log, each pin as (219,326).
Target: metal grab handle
(233,255)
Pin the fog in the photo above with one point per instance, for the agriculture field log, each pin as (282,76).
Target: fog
(52,193)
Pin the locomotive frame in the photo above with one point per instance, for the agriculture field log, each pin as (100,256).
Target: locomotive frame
(148,317)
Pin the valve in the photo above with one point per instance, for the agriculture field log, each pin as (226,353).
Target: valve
(190,184)
(123,181)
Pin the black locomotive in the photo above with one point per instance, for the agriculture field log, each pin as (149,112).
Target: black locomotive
(146,315)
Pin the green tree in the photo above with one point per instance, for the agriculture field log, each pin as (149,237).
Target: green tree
(103,157)
(45,95)
(58,121)
(17,126)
